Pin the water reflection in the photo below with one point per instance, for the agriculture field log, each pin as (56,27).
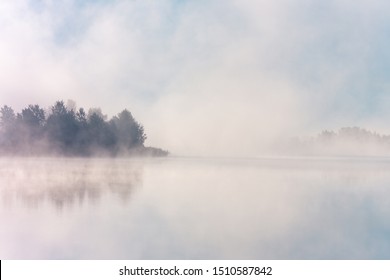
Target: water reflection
(195,209)
(65,182)
(273,209)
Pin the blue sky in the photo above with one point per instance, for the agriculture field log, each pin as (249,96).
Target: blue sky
(204,77)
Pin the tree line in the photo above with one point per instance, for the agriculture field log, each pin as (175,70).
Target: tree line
(345,141)
(65,130)
(356,134)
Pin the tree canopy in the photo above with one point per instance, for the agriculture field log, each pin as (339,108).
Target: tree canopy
(65,130)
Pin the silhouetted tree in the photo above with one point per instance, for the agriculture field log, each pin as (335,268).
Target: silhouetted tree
(69,131)
(99,132)
(8,137)
(81,116)
(7,116)
(129,132)
(33,116)
(62,127)
(29,128)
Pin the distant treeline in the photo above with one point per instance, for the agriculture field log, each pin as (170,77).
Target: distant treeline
(345,141)
(65,130)
(355,134)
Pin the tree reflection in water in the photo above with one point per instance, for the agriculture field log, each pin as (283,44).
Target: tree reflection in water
(65,182)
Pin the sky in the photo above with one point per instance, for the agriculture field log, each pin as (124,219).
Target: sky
(206,78)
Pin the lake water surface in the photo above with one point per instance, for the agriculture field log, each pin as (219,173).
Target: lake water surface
(194,208)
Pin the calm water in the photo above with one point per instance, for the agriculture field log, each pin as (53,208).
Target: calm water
(183,208)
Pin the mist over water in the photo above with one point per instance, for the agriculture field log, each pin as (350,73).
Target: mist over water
(194,208)
(229,78)
(64,182)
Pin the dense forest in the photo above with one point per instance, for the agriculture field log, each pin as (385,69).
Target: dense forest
(65,130)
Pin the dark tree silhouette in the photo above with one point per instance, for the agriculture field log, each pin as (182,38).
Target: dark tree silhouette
(8,137)
(99,133)
(68,131)
(33,116)
(62,127)
(129,132)
(7,115)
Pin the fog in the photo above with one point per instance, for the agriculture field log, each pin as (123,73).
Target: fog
(66,182)
(185,208)
(275,114)
(208,78)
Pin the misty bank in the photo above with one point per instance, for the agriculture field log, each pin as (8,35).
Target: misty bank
(347,141)
(64,130)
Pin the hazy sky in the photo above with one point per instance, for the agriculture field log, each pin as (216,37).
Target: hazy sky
(208,77)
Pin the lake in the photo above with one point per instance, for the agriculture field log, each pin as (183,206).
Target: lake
(195,208)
